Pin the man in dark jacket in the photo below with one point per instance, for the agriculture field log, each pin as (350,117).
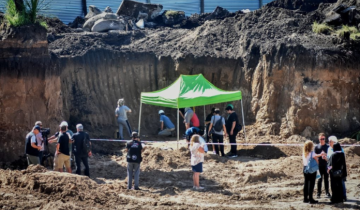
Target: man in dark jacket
(232,129)
(81,139)
(134,148)
(322,148)
(31,146)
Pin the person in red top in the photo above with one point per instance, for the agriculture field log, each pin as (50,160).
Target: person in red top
(191,119)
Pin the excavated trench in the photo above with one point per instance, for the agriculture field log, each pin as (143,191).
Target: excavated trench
(292,80)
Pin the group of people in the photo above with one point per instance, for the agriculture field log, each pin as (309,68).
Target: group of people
(69,146)
(331,163)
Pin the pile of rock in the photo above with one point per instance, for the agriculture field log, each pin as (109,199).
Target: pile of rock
(342,14)
(137,15)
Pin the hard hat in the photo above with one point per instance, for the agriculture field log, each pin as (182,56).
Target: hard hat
(63,123)
(161,112)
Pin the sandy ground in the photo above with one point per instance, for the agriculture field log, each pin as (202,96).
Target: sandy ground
(261,177)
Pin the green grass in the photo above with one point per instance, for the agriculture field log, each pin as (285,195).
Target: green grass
(321,28)
(172,13)
(43,24)
(354,32)
(13,17)
(28,14)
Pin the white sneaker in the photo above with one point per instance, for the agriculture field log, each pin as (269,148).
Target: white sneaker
(233,156)
(199,188)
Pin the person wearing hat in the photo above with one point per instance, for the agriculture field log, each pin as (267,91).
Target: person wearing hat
(232,129)
(31,146)
(121,116)
(166,125)
(134,148)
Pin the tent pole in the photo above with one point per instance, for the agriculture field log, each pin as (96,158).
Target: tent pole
(177,129)
(139,119)
(204,118)
(242,111)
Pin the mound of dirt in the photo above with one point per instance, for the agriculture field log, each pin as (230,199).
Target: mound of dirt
(348,141)
(263,176)
(156,158)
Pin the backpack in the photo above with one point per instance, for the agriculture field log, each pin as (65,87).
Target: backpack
(312,166)
(218,125)
(85,147)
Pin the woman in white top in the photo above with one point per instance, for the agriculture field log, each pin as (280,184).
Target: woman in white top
(197,158)
(121,116)
(309,182)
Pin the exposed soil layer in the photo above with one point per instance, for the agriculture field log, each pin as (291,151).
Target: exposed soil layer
(166,182)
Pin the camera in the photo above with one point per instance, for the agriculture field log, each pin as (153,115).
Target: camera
(45,131)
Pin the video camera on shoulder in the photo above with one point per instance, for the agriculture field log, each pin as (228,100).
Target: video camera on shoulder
(45,131)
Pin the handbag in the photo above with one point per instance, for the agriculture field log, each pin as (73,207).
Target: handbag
(337,173)
(312,166)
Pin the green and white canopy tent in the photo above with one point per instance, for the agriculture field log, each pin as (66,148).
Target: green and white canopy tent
(189,91)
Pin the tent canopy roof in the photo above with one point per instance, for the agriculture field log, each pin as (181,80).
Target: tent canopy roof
(189,91)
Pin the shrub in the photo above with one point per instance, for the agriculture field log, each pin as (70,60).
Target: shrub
(321,28)
(27,14)
(354,32)
(14,17)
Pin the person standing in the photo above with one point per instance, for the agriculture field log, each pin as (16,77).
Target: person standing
(309,179)
(82,144)
(333,140)
(121,115)
(62,151)
(134,148)
(232,129)
(322,148)
(219,131)
(191,119)
(207,123)
(197,159)
(166,125)
(40,142)
(31,146)
(338,173)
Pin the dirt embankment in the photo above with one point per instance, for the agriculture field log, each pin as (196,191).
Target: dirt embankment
(292,80)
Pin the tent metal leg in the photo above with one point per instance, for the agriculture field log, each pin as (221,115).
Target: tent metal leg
(242,111)
(139,119)
(177,129)
(204,118)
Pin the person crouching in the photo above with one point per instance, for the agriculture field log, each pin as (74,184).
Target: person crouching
(197,159)
(134,148)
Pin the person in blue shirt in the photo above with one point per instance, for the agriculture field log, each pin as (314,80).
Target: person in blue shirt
(166,126)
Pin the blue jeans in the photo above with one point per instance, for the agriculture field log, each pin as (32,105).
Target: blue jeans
(122,124)
(41,153)
(78,160)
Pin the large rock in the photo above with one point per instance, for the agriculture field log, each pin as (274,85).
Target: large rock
(108,10)
(333,18)
(103,25)
(90,23)
(78,22)
(134,9)
(172,17)
(93,11)
(218,13)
